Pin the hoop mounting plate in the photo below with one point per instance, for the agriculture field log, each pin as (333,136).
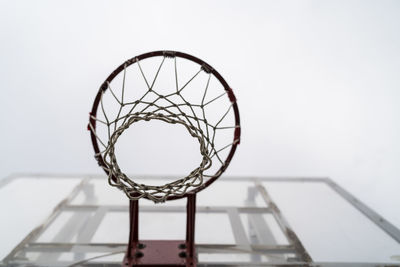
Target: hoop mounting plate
(160,253)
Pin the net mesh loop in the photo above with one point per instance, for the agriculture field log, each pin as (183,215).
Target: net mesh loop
(156,193)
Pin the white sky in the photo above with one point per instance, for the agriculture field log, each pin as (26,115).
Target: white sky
(317,82)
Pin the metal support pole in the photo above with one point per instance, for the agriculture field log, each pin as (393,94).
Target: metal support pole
(190,223)
(133,226)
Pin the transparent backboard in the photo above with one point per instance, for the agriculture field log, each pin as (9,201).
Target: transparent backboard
(55,220)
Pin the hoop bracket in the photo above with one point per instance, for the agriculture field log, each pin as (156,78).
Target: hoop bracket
(207,68)
(169,53)
(161,252)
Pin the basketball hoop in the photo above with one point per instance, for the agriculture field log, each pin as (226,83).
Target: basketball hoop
(173,107)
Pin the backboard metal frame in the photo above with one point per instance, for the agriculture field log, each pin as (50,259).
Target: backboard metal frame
(243,244)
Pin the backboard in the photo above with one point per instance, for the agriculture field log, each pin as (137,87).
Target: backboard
(61,220)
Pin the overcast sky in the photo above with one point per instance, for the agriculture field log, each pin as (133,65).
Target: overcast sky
(317,82)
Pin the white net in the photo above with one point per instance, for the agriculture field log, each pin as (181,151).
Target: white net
(196,101)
